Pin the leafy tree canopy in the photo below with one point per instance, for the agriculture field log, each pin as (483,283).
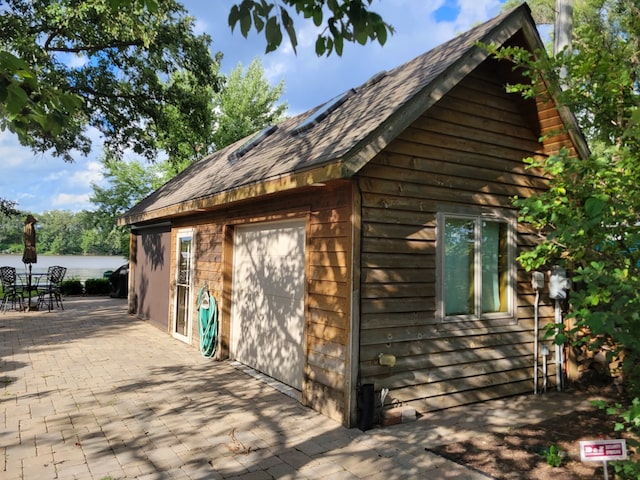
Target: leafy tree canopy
(7,208)
(245,104)
(588,219)
(342,20)
(66,65)
(60,232)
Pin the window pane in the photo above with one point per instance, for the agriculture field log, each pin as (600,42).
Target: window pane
(494,267)
(458,266)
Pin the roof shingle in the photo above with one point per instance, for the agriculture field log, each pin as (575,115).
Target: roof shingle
(363,123)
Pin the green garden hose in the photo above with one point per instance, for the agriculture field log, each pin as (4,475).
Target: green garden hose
(207,322)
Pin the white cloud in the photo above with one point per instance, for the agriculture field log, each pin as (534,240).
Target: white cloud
(71,201)
(306,35)
(200,27)
(91,173)
(275,71)
(12,153)
(77,61)
(475,11)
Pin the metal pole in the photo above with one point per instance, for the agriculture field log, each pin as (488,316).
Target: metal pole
(29,289)
(558,351)
(544,373)
(535,344)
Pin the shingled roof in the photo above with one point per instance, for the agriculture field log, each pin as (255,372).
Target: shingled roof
(343,142)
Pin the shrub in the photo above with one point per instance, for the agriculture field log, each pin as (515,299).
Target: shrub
(97,286)
(71,287)
(628,421)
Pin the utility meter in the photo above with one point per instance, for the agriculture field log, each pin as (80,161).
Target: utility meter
(558,283)
(537,280)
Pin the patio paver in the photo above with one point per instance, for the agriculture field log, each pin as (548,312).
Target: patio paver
(93,393)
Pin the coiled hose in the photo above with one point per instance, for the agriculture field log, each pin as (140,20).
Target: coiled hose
(207,322)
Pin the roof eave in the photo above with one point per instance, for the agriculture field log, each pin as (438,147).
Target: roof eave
(307,178)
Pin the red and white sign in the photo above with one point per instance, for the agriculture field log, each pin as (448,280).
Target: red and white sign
(603,450)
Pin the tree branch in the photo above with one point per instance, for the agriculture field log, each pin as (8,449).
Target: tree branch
(136,43)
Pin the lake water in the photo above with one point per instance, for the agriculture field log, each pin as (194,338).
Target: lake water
(78,267)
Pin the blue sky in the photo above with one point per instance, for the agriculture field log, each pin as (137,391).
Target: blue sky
(40,182)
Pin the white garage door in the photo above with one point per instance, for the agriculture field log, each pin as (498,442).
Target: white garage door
(267,326)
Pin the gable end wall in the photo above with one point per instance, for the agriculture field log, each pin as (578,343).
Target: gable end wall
(466,151)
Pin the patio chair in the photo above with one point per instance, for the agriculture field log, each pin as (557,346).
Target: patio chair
(50,291)
(11,296)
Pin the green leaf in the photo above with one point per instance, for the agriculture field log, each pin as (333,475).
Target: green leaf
(258,21)
(152,5)
(273,34)
(245,24)
(287,22)
(381,33)
(17,98)
(234,16)
(11,63)
(338,45)
(362,36)
(320,45)
(594,206)
(3,92)
(317,18)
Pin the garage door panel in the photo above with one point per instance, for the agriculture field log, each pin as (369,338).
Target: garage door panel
(268,299)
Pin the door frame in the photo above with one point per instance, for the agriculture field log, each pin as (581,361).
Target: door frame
(183,233)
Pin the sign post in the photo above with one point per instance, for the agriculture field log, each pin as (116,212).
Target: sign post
(603,451)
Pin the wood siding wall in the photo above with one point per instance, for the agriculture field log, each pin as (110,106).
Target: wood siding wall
(467,150)
(328,273)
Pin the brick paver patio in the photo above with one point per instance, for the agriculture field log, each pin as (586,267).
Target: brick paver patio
(94,393)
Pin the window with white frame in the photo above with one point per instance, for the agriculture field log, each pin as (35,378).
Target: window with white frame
(476,259)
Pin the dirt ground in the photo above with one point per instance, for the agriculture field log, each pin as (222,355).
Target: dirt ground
(520,452)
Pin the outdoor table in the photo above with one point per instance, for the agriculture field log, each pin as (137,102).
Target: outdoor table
(30,283)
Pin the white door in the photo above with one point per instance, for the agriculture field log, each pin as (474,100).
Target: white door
(267,326)
(184,279)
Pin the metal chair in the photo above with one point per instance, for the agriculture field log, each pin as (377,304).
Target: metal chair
(10,293)
(51,290)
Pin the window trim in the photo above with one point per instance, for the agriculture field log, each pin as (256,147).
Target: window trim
(478,214)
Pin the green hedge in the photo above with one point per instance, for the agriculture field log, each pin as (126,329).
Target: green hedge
(71,287)
(97,286)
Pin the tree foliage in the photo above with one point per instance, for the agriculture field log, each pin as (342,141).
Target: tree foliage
(135,71)
(128,183)
(341,21)
(246,104)
(588,219)
(8,208)
(60,232)
(67,65)
(184,134)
